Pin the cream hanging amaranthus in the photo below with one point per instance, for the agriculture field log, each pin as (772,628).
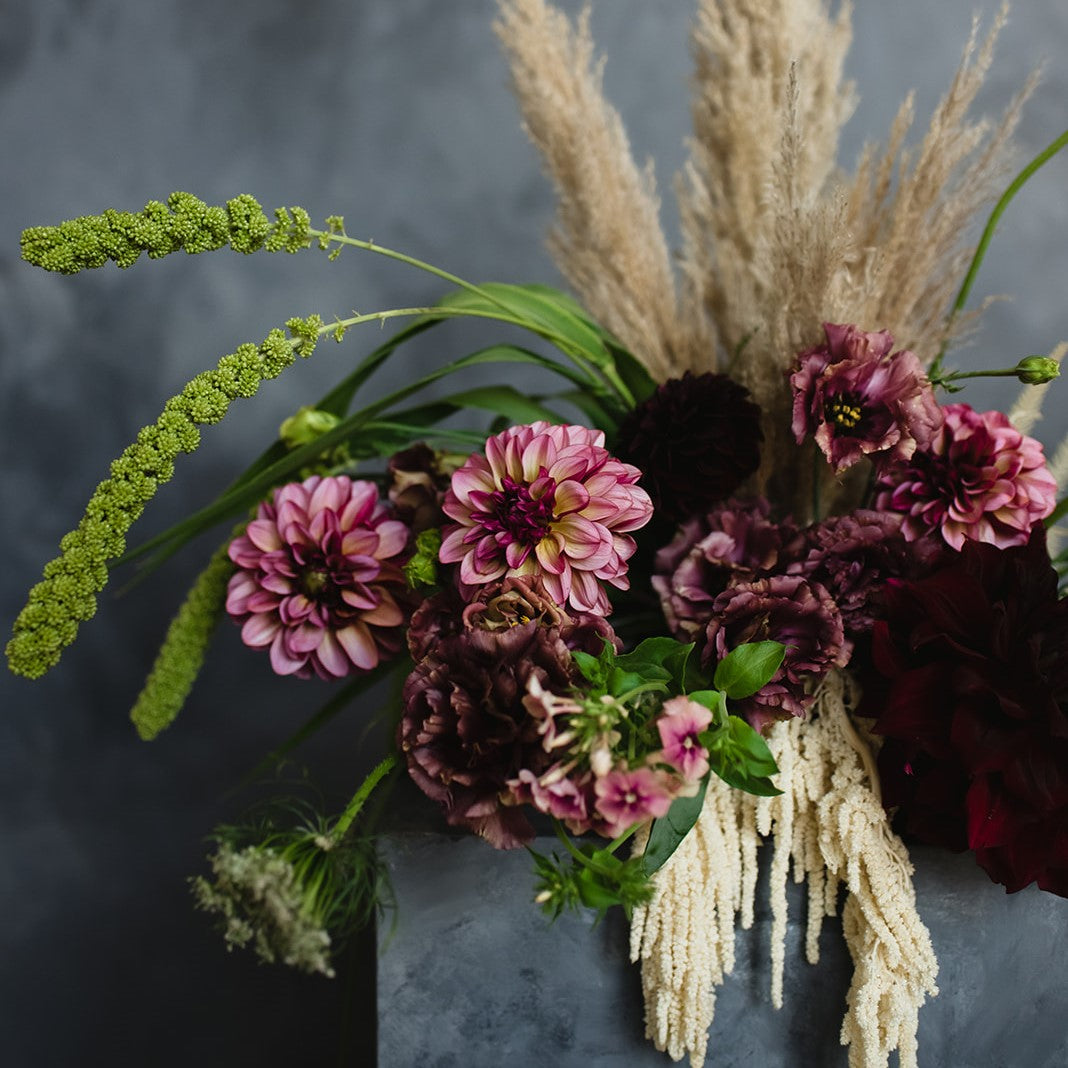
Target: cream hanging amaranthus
(830,827)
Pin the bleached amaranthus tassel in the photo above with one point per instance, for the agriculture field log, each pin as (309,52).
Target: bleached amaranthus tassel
(894,966)
(829,821)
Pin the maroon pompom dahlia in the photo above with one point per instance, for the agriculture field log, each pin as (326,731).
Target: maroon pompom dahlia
(695,440)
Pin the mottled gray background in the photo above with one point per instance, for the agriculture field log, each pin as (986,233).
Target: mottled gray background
(396,114)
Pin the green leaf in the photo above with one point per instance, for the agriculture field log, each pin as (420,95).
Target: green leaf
(716,703)
(741,758)
(748,668)
(667,833)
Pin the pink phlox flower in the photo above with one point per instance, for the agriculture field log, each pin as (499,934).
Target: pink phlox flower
(680,725)
(980,480)
(557,793)
(626,797)
(319,578)
(859,399)
(550,712)
(547,501)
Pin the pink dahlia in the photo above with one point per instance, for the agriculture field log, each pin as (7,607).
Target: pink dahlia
(318,578)
(547,501)
(979,479)
(858,398)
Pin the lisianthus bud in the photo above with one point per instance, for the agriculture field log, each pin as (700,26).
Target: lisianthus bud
(1036,370)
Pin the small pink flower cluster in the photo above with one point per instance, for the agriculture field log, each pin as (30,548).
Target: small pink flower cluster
(591,787)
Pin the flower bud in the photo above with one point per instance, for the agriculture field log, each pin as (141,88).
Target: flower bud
(307,425)
(1036,370)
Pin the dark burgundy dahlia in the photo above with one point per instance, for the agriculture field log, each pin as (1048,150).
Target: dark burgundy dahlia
(972,704)
(465,732)
(695,440)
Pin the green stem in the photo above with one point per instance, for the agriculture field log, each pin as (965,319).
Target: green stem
(988,232)
(352,810)
(325,237)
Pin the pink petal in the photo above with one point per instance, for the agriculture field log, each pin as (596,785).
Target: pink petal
(358,645)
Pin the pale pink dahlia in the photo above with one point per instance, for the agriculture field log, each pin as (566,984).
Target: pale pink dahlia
(547,501)
(318,578)
(980,479)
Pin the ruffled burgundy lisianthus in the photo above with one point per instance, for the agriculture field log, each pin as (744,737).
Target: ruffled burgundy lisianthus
(979,479)
(734,543)
(319,578)
(695,440)
(787,609)
(972,703)
(465,732)
(860,399)
(546,501)
(853,555)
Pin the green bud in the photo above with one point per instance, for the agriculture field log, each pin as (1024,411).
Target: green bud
(306,426)
(1037,370)
(422,568)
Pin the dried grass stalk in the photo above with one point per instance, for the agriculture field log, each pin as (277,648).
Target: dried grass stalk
(607,239)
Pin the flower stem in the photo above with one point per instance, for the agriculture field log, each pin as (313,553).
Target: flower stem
(352,810)
(608,372)
(988,232)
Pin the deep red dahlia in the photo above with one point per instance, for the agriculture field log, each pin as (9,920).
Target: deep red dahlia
(972,703)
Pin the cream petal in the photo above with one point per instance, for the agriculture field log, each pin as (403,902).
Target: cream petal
(358,645)
(259,630)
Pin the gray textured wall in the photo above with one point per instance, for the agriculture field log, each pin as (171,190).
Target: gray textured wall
(396,114)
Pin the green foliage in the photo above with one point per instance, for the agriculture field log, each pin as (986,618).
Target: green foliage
(589,877)
(666,834)
(180,657)
(746,669)
(184,223)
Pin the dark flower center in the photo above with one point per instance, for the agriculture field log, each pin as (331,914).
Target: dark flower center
(515,513)
(313,582)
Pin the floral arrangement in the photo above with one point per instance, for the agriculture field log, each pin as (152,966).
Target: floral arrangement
(747,574)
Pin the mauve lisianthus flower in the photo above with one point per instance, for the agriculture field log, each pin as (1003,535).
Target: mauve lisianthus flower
(465,731)
(695,440)
(319,578)
(680,724)
(859,399)
(783,608)
(734,543)
(971,697)
(980,479)
(853,555)
(548,501)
